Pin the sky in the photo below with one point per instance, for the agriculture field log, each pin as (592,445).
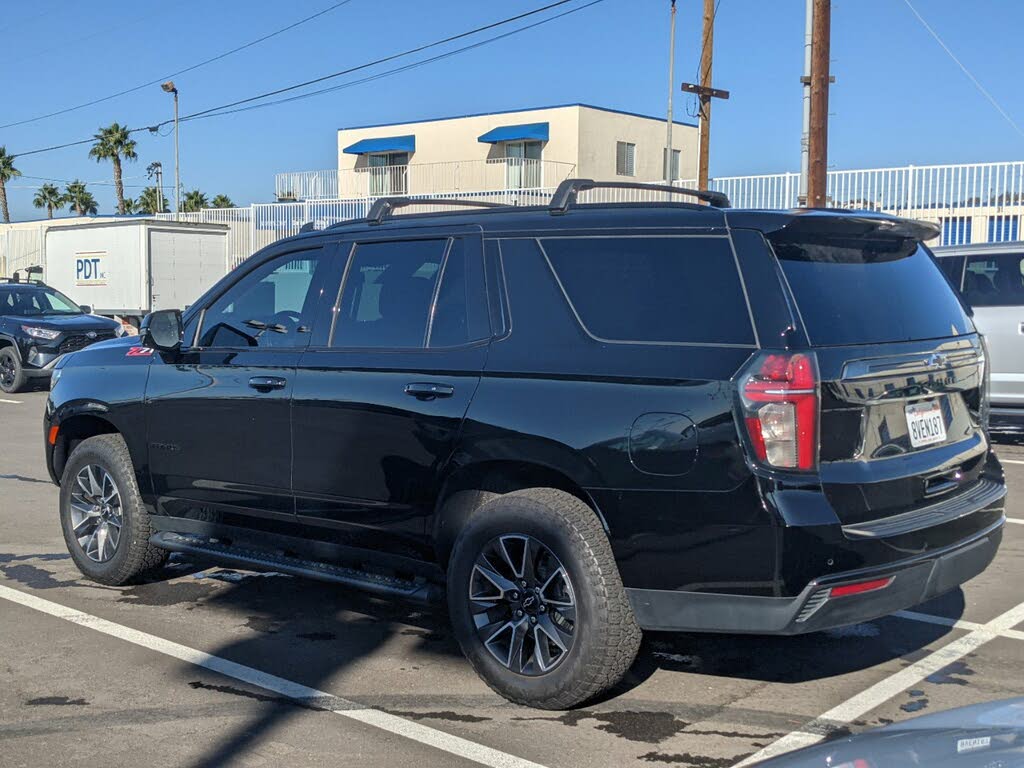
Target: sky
(899,98)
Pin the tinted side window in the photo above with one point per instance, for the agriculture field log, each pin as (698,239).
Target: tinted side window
(272,306)
(388,292)
(460,315)
(653,289)
(995,280)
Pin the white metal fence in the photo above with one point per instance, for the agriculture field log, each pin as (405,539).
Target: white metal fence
(972,203)
(496,174)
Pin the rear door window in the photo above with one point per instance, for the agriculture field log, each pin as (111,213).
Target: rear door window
(995,280)
(861,291)
(653,290)
(393,298)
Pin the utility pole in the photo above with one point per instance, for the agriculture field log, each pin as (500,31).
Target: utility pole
(705,93)
(817,149)
(706,52)
(156,169)
(806,81)
(669,173)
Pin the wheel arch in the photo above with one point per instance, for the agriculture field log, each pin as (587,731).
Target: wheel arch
(471,485)
(9,341)
(73,430)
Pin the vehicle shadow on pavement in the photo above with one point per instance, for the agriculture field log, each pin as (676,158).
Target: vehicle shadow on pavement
(301,630)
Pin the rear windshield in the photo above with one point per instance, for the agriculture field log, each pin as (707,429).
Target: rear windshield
(859,291)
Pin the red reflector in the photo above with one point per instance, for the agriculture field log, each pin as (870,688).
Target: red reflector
(52,436)
(864,586)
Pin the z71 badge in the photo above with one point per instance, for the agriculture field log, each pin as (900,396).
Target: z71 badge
(139,352)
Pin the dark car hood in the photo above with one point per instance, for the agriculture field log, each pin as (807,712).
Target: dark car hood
(978,735)
(67,323)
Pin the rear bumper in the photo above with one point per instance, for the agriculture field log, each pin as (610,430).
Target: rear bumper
(914,580)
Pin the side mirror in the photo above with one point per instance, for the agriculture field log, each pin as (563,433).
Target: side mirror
(86,308)
(161,330)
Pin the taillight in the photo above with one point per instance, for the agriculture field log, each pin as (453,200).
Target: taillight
(780,402)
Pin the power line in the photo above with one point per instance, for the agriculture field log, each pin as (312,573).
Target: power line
(963,68)
(223,108)
(203,63)
(384,59)
(387,73)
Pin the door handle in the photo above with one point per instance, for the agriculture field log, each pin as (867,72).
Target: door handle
(425,390)
(267,383)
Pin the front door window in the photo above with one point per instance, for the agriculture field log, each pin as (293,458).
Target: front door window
(388,173)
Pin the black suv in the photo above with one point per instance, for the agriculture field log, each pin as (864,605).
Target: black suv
(582,420)
(39,325)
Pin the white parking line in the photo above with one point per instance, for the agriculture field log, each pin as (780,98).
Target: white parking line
(11,402)
(1014,520)
(1010,461)
(885,689)
(423,734)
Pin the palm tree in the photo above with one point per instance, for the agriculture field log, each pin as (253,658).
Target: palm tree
(113,143)
(151,200)
(7,172)
(131,206)
(80,199)
(222,201)
(194,201)
(50,198)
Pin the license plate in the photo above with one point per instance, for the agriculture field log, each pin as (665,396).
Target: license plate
(926,424)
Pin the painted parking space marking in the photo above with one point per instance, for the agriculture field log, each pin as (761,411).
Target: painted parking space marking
(1010,461)
(1014,520)
(10,402)
(879,693)
(423,734)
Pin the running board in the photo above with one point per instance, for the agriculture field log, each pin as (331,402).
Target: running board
(418,591)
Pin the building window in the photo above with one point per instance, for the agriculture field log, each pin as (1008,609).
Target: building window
(1002,229)
(956,230)
(625,158)
(523,165)
(675,163)
(388,173)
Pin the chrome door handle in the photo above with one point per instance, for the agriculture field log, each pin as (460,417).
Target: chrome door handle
(426,390)
(267,383)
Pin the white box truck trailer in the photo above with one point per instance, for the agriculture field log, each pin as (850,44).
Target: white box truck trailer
(128,268)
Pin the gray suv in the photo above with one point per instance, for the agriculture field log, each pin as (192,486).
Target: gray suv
(990,277)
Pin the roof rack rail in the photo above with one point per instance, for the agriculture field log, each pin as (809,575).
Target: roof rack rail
(565,196)
(383,206)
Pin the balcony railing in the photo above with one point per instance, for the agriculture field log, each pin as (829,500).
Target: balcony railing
(498,174)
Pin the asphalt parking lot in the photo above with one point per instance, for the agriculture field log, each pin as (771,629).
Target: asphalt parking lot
(212,666)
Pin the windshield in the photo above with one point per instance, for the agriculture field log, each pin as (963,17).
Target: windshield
(34,301)
(860,291)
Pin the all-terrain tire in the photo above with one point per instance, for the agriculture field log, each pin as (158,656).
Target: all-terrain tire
(606,635)
(134,557)
(12,376)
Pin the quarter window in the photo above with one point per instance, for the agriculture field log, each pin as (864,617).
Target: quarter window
(674,290)
(272,306)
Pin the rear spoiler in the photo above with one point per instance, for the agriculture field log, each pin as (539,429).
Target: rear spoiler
(866,224)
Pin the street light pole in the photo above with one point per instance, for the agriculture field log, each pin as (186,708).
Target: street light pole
(169,88)
(669,174)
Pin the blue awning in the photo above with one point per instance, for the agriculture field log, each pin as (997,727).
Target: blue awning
(388,144)
(529,131)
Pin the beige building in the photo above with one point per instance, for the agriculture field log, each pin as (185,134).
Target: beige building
(513,150)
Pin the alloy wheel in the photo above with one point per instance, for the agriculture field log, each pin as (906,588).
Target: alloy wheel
(7,372)
(523,604)
(96,513)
